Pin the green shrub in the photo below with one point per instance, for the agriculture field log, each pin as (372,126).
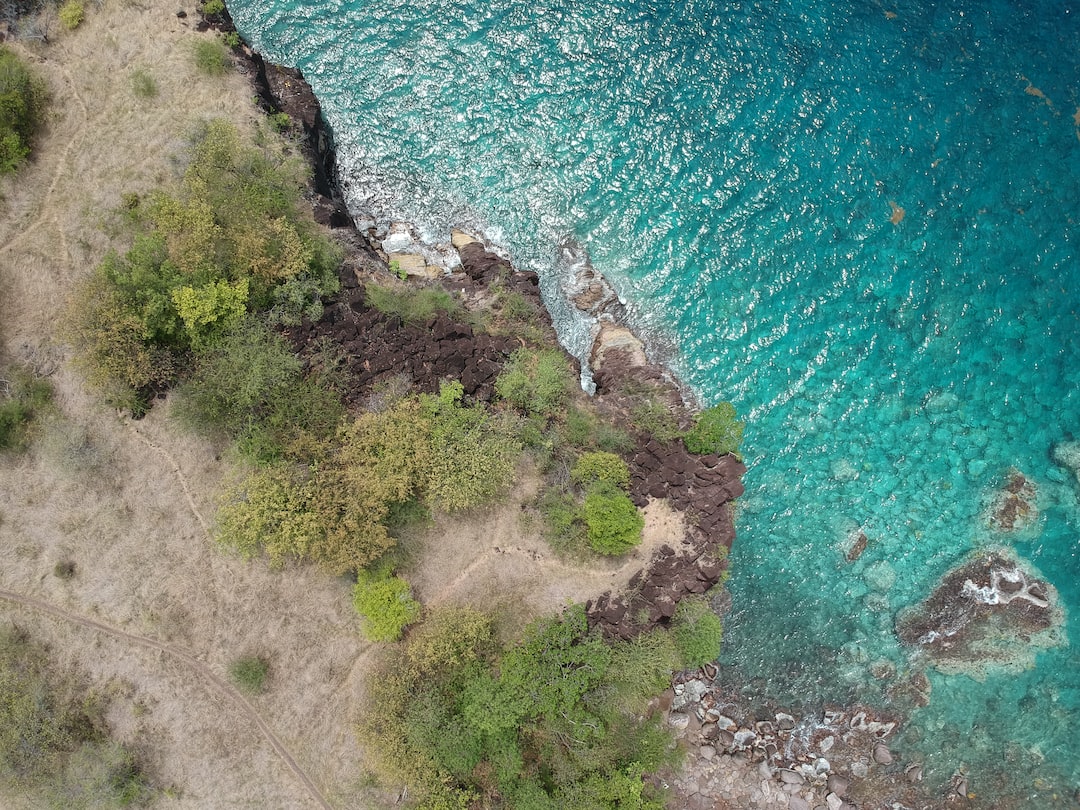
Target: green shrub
(449,639)
(334,510)
(143,85)
(385,605)
(473,455)
(716,431)
(412,306)
(280,121)
(23,99)
(653,418)
(601,466)
(210,310)
(613,524)
(71,14)
(211,8)
(535,381)
(248,385)
(23,399)
(563,520)
(641,668)
(249,674)
(212,57)
(531,725)
(232,40)
(698,632)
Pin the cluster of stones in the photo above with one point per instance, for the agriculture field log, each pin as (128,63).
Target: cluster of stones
(832,760)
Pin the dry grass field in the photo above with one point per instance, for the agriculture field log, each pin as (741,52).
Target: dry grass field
(154,611)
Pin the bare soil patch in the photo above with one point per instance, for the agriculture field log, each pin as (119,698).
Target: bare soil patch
(498,559)
(122,509)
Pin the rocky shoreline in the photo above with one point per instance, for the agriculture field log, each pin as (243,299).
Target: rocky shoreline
(838,758)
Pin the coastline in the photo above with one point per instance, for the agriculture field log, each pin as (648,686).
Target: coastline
(741,753)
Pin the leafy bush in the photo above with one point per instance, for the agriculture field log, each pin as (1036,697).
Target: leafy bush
(535,381)
(23,398)
(601,466)
(531,725)
(23,98)
(249,674)
(612,522)
(249,386)
(473,455)
(229,238)
(412,306)
(654,418)
(212,57)
(332,511)
(71,14)
(698,632)
(212,7)
(385,605)
(563,520)
(715,430)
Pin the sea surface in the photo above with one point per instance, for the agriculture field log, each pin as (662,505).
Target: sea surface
(858,221)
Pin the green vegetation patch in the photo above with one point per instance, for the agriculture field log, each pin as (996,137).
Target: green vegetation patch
(54,744)
(385,605)
(71,14)
(535,381)
(23,98)
(23,399)
(613,524)
(249,674)
(212,57)
(716,430)
(413,306)
(228,240)
(698,632)
(548,721)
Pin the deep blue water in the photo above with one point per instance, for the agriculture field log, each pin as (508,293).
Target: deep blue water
(737,170)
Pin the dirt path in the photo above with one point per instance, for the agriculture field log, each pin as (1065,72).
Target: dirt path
(192,663)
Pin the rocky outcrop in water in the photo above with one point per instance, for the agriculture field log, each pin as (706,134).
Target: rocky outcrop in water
(993,611)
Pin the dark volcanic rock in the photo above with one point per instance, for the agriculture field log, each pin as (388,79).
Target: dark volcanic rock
(992,611)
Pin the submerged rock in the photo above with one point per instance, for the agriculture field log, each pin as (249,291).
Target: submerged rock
(1013,506)
(992,611)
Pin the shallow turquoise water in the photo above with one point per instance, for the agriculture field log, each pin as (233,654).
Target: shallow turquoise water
(733,168)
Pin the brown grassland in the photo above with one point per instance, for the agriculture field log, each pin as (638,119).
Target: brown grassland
(155,611)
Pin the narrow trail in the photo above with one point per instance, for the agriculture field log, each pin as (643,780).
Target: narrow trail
(179,477)
(58,172)
(193,663)
(548,565)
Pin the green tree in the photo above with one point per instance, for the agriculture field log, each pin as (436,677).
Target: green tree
(23,99)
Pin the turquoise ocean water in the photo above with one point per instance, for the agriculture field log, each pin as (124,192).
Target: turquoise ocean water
(738,170)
